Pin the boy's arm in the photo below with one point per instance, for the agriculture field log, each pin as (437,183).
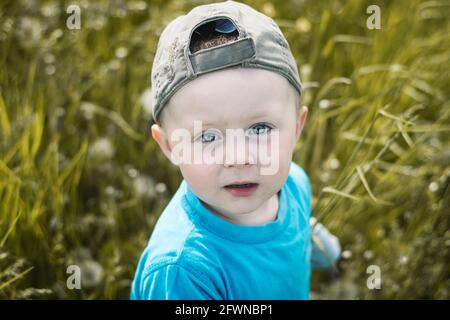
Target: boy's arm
(326,249)
(174,282)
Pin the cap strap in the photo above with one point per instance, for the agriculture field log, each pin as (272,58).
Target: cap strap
(222,56)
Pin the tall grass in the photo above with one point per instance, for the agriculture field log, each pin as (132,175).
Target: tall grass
(81,181)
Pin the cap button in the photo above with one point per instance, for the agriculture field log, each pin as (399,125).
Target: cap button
(224,26)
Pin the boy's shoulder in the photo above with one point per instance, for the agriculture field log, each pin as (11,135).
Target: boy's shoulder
(176,239)
(176,250)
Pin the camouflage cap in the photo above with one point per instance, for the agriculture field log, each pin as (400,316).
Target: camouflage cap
(259,44)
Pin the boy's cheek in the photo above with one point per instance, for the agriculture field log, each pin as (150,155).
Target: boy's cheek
(198,175)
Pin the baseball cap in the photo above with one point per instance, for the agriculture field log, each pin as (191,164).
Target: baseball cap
(259,44)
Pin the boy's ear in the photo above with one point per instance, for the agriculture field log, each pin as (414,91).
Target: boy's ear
(160,136)
(302,114)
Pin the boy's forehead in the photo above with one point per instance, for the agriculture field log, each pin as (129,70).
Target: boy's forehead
(230,95)
(233,116)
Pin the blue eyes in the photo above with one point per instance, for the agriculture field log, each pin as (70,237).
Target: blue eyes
(258,129)
(208,137)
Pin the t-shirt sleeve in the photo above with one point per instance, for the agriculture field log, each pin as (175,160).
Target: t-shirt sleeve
(174,282)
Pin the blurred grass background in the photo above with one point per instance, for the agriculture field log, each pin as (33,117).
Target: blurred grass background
(82,182)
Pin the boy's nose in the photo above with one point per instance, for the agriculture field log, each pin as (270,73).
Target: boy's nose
(239,154)
(238,162)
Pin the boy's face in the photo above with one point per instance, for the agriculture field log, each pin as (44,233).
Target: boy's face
(260,103)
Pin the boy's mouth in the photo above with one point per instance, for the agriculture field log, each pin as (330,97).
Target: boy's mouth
(241,189)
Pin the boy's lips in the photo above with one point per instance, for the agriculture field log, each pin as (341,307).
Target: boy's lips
(241,189)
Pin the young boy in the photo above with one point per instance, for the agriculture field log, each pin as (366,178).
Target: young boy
(239,227)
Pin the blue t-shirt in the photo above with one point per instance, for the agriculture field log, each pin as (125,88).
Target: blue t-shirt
(194,254)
